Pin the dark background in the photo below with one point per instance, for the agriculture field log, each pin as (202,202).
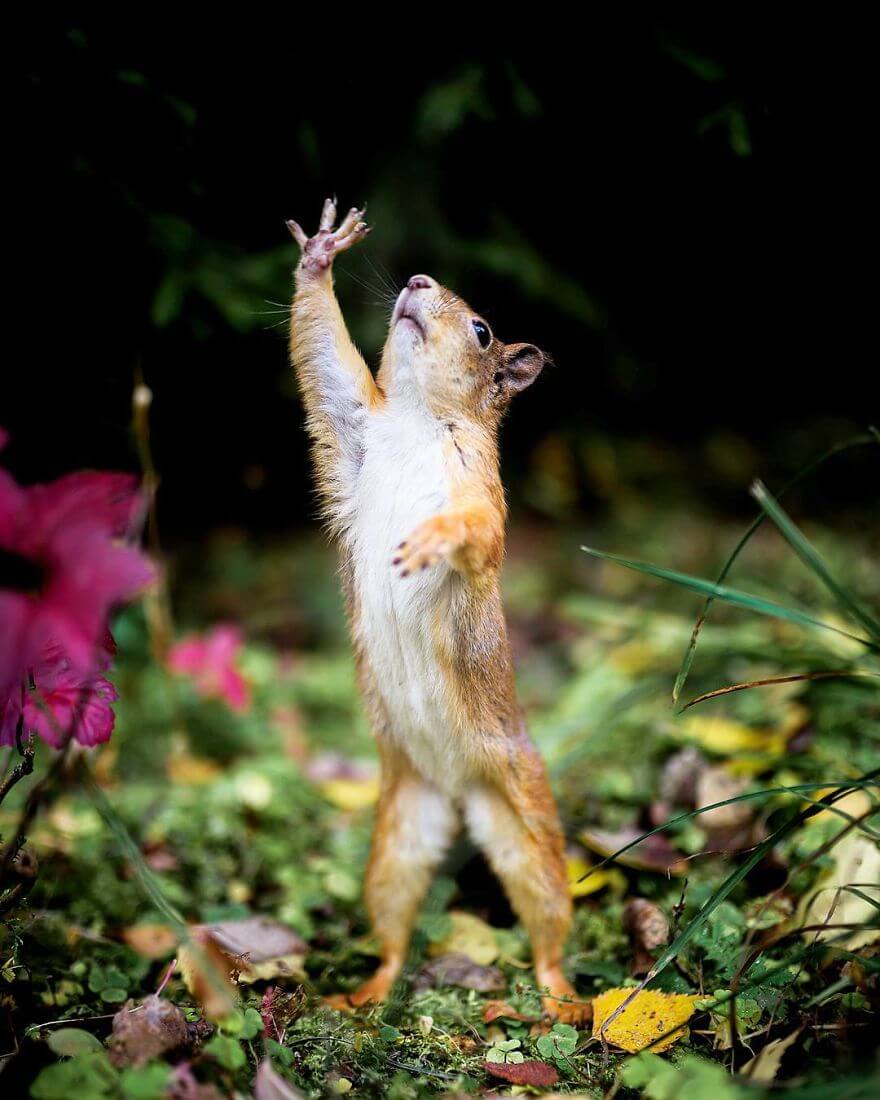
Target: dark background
(675,209)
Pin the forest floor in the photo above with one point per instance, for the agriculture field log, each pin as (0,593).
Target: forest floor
(247,788)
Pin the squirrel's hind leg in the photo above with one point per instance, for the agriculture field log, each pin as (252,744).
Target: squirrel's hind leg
(415,825)
(515,822)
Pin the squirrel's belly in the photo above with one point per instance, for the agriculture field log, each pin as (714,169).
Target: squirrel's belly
(396,618)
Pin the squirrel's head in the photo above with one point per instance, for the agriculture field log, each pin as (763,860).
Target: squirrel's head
(440,350)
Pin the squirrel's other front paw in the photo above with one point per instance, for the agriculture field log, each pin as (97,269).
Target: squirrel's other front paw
(318,251)
(429,544)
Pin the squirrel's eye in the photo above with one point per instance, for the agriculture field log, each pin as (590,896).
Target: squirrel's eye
(484,336)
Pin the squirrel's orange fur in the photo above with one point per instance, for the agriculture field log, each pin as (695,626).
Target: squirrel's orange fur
(407,466)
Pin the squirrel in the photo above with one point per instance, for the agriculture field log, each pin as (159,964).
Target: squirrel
(408,472)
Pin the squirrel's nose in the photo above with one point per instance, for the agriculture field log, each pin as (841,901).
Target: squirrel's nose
(420,282)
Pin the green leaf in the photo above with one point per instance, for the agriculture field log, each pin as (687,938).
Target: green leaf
(227,1051)
(114,994)
(388,1034)
(559,1042)
(147,1083)
(88,1077)
(812,559)
(730,595)
(68,1042)
(253,1024)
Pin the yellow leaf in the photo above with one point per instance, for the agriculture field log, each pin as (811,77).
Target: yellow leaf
(727,737)
(722,735)
(185,770)
(652,1019)
(469,936)
(351,794)
(284,966)
(576,867)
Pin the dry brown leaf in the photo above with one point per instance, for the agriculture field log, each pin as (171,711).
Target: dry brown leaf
(459,970)
(652,1019)
(856,861)
(654,853)
(539,1074)
(495,1010)
(270,1085)
(145,1031)
(469,936)
(151,941)
(207,973)
(256,938)
(762,1069)
(648,930)
(716,784)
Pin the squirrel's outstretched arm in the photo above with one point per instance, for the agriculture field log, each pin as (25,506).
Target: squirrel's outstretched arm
(337,387)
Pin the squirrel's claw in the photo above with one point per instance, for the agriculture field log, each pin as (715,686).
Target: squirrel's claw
(297,232)
(430,543)
(318,251)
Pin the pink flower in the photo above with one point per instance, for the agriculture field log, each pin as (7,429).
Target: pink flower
(209,660)
(63,568)
(62,704)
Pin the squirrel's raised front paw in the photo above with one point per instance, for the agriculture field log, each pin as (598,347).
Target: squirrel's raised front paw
(318,251)
(430,543)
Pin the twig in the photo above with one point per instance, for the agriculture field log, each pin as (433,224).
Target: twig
(24,767)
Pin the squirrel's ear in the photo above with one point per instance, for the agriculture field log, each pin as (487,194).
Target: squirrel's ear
(522,365)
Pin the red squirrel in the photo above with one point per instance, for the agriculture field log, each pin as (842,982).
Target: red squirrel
(408,472)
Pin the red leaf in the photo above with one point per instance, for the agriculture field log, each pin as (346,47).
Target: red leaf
(523,1073)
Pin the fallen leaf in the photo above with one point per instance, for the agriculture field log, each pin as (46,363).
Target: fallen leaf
(279,1009)
(270,1085)
(579,886)
(186,770)
(655,853)
(727,737)
(469,936)
(652,1019)
(856,861)
(459,970)
(68,1042)
(495,1010)
(251,949)
(348,784)
(207,973)
(539,1074)
(351,794)
(679,776)
(149,1030)
(716,784)
(256,939)
(762,1069)
(151,941)
(648,930)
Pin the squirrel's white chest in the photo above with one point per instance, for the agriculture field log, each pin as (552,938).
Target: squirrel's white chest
(402,481)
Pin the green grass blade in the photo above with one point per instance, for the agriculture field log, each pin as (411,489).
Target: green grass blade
(738,874)
(800,790)
(813,560)
(729,595)
(873,436)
